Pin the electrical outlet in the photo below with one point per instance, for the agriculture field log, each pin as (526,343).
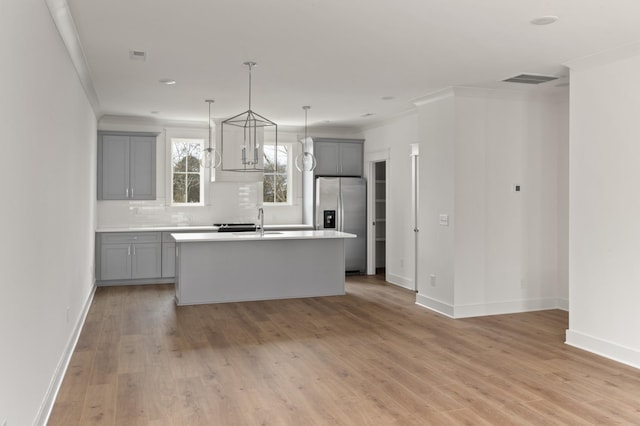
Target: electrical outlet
(432,280)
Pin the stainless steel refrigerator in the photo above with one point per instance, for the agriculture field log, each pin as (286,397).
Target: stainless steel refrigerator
(341,205)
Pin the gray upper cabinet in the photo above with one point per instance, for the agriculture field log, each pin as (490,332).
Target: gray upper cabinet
(338,157)
(126,166)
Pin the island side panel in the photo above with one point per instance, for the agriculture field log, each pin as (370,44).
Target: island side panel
(230,271)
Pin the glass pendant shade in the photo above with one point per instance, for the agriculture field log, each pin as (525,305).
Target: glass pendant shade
(305,161)
(210,159)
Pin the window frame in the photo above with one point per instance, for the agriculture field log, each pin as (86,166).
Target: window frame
(289,175)
(201,143)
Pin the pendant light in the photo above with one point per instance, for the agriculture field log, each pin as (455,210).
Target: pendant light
(305,161)
(252,125)
(210,157)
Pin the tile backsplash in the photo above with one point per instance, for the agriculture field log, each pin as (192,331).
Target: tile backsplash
(224,202)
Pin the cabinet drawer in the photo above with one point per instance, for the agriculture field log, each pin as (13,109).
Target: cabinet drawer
(131,237)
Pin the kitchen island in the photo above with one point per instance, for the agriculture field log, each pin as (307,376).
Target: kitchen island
(232,267)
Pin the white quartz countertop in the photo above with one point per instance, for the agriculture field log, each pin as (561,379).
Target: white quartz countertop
(255,236)
(192,228)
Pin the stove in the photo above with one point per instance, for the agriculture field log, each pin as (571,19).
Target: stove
(236,227)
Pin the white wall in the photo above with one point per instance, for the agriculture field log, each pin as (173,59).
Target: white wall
(392,139)
(500,252)
(47,181)
(605,206)
(437,196)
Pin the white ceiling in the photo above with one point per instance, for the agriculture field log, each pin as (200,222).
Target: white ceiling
(342,57)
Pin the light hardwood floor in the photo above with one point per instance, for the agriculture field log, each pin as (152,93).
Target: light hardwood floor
(370,357)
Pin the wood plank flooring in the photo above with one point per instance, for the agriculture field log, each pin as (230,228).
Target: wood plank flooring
(371,357)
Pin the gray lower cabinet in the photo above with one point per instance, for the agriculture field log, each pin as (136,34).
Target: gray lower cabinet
(168,256)
(338,157)
(126,166)
(128,256)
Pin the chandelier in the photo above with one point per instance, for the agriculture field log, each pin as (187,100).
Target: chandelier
(249,126)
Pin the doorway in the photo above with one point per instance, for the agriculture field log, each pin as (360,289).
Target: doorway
(377,171)
(379,183)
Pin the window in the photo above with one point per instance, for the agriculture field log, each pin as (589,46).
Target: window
(276,188)
(186,175)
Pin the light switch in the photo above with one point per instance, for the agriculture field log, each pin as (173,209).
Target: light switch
(444,219)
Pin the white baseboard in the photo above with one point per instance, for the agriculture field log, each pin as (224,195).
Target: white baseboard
(603,348)
(400,281)
(63,363)
(484,309)
(499,308)
(434,305)
(562,304)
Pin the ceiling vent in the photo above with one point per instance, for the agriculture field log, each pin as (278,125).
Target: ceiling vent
(530,79)
(137,55)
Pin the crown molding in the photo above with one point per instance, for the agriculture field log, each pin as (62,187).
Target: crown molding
(605,57)
(61,15)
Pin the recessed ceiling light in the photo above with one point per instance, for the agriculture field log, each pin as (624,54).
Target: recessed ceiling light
(388,98)
(155,112)
(544,20)
(167,81)
(367,114)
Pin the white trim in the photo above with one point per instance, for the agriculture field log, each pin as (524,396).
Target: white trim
(483,93)
(63,20)
(500,308)
(63,364)
(605,57)
(562,304)
(400,281)
(438,95)
(485,309)
(619,353)
(434,305)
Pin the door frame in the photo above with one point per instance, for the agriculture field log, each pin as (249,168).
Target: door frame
(415,207)
(371,158)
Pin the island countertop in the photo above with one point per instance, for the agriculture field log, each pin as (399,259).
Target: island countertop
(195,228)
(256,236)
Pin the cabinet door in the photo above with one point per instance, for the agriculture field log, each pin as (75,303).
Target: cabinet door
(328,158)
(113,179)
(142,168)
(168,260)
(146,260)
(115,262)
(351,159)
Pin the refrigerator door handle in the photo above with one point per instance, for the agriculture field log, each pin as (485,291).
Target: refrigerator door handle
(339,213)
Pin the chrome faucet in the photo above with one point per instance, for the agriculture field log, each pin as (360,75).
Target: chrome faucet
(261,217)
